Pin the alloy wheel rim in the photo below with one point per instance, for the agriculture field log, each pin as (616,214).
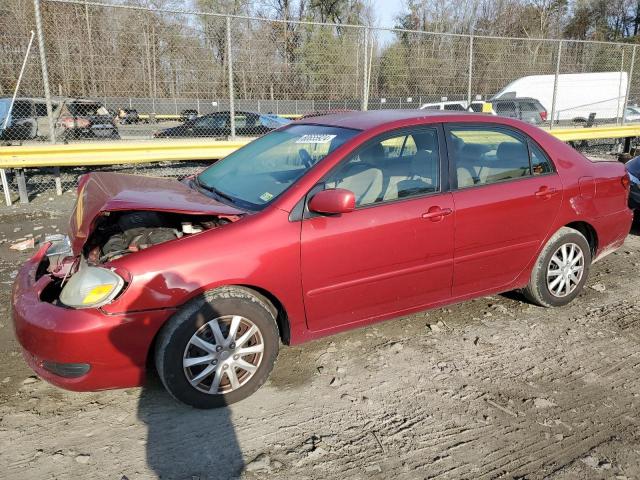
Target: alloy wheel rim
(223,354)
(565,270)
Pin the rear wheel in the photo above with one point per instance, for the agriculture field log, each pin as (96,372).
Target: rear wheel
(561,270)
(218,349)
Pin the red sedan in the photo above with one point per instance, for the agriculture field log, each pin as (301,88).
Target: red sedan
(326,224)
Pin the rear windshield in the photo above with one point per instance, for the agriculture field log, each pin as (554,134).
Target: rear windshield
(528,107)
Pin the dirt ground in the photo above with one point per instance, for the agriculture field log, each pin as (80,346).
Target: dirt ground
(491,388)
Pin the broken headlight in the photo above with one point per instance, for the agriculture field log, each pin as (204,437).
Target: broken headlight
(91,287)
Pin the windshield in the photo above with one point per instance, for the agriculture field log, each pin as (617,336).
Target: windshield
(257,173)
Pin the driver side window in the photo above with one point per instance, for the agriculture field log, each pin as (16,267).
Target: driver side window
(392,168)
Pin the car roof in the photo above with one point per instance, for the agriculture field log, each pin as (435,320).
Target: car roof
(514,99)
(377,118)
(227,112)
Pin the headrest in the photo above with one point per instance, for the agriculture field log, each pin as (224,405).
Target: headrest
(472,151)
(373,154)
(422,163)
(509,151)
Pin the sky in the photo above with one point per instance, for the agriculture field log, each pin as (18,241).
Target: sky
(386,11)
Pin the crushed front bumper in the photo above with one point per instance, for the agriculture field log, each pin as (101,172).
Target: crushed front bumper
(114,346)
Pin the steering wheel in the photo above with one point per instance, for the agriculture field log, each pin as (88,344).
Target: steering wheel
(307,161)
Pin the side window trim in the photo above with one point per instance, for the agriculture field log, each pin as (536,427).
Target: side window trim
(552,167)
(443,165)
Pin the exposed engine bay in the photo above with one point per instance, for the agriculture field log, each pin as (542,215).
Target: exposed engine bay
(114,235)
(117,234)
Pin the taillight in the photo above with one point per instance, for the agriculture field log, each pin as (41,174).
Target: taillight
(625,181)
(82,123)
(66,122)
(543,115)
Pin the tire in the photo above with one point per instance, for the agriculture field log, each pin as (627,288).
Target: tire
(214,354)
(542,291)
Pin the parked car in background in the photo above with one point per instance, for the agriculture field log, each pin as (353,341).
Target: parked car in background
(320,113)
(633,170)
(454,106)
(86,119)
(327,224)
(187,115)
(27,121)
(578,94)
(128,116)
(219,125)
(632,114)
(528,110)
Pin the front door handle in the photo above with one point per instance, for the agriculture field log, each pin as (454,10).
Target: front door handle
(435,214)
(546,192)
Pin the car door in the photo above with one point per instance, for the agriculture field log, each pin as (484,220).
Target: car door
(394,251)
(210,125)
(506,198)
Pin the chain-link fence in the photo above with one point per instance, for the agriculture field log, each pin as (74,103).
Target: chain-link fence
(123,72)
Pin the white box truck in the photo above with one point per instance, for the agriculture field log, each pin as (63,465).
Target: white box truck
(579,94)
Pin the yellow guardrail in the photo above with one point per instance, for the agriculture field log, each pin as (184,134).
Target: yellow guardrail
(596,132)
(125,152)
(87,154)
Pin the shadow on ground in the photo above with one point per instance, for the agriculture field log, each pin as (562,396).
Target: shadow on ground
(183,442)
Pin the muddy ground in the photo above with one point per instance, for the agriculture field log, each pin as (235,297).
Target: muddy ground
(492,388)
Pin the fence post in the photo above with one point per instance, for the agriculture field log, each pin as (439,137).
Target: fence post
(555,84)
(618,114)
(47,97)
(629,79)
(470,72)
(3,173)
(365,73)
(232,110)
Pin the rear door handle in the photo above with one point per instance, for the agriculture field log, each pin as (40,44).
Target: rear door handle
(436,214)
(546,192)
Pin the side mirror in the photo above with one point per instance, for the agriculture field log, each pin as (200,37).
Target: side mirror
(333,202)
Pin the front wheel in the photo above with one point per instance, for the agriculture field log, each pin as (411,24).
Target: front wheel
(219,348)
(561,270)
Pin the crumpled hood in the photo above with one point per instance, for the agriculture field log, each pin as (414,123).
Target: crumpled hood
(105,191)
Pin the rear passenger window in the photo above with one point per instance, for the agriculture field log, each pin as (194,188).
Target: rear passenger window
(488,155)
(392,168)
(41,109)
(540,163)
(506,109)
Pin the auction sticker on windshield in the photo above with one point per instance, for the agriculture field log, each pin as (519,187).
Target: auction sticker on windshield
(315,138)
(266,196)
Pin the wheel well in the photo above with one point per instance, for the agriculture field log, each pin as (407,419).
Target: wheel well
(282,319)
(589,233)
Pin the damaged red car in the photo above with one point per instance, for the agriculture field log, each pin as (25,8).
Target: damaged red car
(329,223)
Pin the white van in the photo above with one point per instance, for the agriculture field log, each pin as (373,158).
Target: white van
(579,94)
